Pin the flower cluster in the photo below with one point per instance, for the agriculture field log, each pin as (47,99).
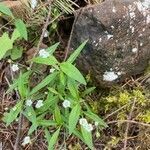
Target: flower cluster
(87,126)
(38,104)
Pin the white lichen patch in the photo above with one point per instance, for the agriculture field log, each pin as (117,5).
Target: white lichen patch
(109,36)
(141,44)
(114,10)
(132,15)
(132,29)
(148,19)
(100,39)
(110,76)
(143,6)
(134,50)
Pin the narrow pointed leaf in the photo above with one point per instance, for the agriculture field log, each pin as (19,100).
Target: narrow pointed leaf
(44,83)
(87,138)
(5,10)
(73,118)
(52,49)
(53,140)
(76,53)
(51,60)
(72,72)
(21,27)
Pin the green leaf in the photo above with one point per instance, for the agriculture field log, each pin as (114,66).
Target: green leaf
(5,45)
(15,35)
(53,140)
(22,88)
(32,128)
(30,114)
(62,78)
(87,138)
(13,114)
(72,72)
(47,134)
(88,91)
(51,100)
(5,10)
(16,53)
(51,60)
(44,82)
(25,78)
(96,118)
(73,88)
(57,115)
(46,123)
(52,49)
(21,27)
(73,118)
(76,53)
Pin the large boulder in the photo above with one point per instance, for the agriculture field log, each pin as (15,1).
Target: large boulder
(119,39)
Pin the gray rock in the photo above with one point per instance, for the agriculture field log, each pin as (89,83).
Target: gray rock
(119,40)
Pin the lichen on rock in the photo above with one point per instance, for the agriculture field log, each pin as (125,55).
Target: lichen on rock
(119,39)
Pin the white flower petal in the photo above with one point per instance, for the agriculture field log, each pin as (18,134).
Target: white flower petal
(88,127)
(66,104)
(39,104)
(43,53)
(51,70)
(29,102)
(14,67)
(26,140)
(83,122)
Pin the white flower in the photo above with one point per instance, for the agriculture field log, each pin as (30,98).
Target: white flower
(39,104)
(43,53)
(51,70)
(83,122)
(14,67)
(33,3)
(26,140)
(88,127)
(96,123)
(66,103)
(29,102)
(110,76)
(46,33)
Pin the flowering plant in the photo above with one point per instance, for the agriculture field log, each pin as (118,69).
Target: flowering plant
(62,102)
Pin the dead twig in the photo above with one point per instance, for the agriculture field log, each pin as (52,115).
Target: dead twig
(71,34)
(128,125)
(43,30)
(124,106)
(129,121)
